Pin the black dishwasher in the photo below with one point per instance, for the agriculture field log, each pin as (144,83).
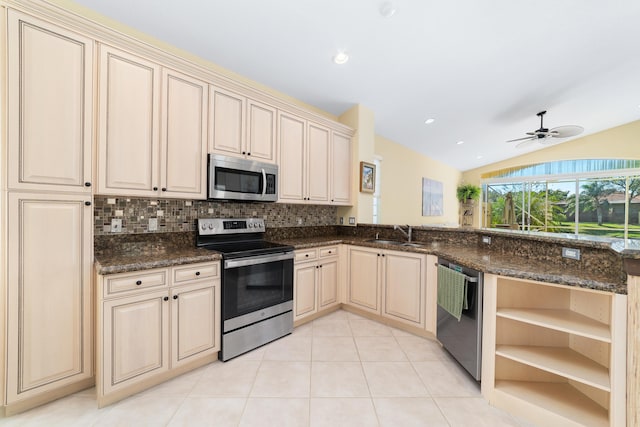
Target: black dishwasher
(463,339)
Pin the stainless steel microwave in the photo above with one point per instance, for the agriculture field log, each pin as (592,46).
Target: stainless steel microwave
(231,178)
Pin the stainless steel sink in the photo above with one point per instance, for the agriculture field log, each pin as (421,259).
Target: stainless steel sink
(386,242)
(396,243)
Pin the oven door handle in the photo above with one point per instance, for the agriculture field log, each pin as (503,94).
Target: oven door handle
(264,183)
(254,260)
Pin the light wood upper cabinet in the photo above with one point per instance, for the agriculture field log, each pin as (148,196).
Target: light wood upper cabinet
(304,160)
(128,126)
(140,151)
(317,170)
(340,171)
(261,131)
(292,140)
(227,110)
(50,104)
(183,148)
(241,127)
(49,326)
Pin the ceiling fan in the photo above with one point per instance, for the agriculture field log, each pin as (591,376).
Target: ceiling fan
(544,135)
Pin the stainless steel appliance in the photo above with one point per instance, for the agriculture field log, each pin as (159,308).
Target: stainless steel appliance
(463,339)
(239,179)
(257,283)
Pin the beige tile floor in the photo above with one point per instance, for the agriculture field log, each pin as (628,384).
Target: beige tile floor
(340,370)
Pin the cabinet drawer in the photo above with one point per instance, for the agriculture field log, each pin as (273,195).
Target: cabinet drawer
(306,255)
(328,251)
(134,281)
(195,271)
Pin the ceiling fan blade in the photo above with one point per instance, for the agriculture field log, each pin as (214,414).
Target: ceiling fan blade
(566,131)
(525,143)
(526,138)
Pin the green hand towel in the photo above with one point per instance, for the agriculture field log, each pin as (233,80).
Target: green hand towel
(452,291)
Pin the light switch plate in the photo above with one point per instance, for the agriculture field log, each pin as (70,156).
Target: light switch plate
(571,253)
(352,220)
(153,224)
(116,225)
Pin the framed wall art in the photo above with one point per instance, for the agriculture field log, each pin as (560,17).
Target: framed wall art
(367,177)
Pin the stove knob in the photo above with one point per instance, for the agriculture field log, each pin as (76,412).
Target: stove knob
(210,226)
(203,226)
(250,225)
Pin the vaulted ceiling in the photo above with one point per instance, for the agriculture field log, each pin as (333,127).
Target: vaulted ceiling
(481,68)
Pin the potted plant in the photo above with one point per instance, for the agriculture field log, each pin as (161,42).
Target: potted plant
(467,193)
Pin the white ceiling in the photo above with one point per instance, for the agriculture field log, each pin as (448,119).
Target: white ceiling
(481,68)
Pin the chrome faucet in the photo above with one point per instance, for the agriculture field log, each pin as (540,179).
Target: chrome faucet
(406,233)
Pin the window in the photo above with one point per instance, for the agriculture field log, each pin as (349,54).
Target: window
(376,195)
(578,198)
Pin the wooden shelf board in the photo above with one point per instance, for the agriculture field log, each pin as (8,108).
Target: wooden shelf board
(560,320)
(560,361)
(558,398)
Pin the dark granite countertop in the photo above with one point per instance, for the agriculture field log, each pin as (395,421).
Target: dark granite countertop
(486,261)
(122,254)
(119,254)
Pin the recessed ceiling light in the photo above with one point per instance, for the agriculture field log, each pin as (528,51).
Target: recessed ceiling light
(460,142)
(429,121)
(341,58)
(387,9)
(479,156)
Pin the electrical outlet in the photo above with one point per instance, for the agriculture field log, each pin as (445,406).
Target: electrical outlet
(119,212)
(188,203)
(299,221)
(352,220)
(153,224)
(341,220)
(116,225)
(486,239)
(571,253)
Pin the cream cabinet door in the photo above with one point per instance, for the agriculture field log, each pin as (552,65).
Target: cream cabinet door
(340,171)
(183,148)
(136,339)
(404,287)
(317,170)
(328,284)
(227,111)
(292,140)
(49,326)
(195,316)
(261,131)
(128,124)
(304,291)
(50,104)
(363,279)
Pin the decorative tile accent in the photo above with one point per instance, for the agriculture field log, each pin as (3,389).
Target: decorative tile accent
(176,215)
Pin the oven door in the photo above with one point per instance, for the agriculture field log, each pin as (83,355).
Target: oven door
(252,284)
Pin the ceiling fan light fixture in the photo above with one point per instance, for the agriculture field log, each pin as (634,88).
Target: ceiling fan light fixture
(341,58)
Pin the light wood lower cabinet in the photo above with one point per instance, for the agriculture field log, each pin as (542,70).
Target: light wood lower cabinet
(49,309)
(554,354)
(155,324)
(391,284)
(315,281)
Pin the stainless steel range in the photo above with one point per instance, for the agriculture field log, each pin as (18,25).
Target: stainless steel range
(257,283)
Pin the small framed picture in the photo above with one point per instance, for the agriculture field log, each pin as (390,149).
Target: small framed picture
(367,177)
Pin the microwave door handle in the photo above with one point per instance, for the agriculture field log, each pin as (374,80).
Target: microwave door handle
(264,183)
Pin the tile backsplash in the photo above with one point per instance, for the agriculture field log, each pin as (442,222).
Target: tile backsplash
(180,215)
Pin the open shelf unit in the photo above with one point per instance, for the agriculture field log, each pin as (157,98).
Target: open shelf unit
(554,354)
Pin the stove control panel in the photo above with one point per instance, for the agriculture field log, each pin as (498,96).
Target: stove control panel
(213,226)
